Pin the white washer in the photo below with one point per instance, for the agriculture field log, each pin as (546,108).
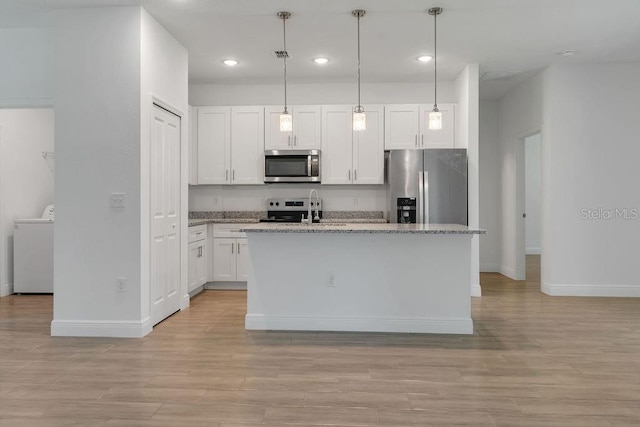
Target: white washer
(33,254)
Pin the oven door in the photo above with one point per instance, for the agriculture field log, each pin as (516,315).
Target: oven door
(292,166)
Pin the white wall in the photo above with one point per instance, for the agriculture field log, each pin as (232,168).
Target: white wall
(489,187)
(519,116)
(110,62)
(533,202)
(26,177)
(467,92)
(97,153)
(26,67)
(165,75)
(330,93)
(590,155)
(251,197)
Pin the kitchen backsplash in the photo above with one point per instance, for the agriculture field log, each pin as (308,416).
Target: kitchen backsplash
(252,197)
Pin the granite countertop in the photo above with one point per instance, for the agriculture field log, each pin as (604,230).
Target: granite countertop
(253,217)
(361,228)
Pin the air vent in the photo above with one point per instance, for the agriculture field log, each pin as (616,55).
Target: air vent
(280,54)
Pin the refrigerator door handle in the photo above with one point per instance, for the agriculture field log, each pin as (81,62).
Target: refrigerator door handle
(426,197)
(421,193)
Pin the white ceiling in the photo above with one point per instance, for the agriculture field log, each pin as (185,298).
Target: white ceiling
(510,39)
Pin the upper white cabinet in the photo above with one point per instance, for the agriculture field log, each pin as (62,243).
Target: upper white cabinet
(230,145)
(214,145)
(306,133)
(247,145)
(348,156)
(407,127)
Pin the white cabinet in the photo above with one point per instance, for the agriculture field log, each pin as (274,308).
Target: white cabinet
(230,145)
(197,257)
(247,145)
(348,156)
(214,145)
(230,254)
(407,127)
(306,133)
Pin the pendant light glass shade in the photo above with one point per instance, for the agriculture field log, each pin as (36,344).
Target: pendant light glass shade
(435,116)
(435,120)
(359,121)
(286,122)
(359,118)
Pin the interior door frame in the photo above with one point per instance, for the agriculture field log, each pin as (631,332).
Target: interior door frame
(521,250)
(154,100)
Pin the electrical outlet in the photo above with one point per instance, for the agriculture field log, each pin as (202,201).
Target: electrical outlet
(214,202)
(355,201)
(121,284)
(332,280)
(117,200)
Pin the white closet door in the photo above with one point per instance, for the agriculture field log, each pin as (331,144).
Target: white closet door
(165,214)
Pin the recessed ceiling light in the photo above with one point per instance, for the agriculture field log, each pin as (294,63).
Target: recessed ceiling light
(424,58)
(230,62)
(567,52)
(321,61)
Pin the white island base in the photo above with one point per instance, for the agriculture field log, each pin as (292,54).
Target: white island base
(330,279)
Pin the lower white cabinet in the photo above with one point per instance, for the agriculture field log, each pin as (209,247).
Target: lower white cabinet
(197,257)
(230,254)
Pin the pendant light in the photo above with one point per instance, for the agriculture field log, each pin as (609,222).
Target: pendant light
(435,116)
(286,122)
(359,117)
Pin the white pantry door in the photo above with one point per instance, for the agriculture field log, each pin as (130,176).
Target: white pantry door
(165,214)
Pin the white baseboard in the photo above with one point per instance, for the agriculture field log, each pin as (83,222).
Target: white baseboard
(6,289)
(186,300)
(489,268)
(233,286)
(296,323)
(105,328)
(509,272)
(575,290)
(476,290)
(532,251)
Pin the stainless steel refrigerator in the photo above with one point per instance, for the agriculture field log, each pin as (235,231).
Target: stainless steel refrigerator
(428,186)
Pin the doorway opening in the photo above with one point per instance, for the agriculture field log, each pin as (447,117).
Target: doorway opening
(530,205)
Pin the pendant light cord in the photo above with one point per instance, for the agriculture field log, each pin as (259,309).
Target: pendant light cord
(359,107)
(435,62)
(284,38)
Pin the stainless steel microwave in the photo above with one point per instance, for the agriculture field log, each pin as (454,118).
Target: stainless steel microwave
(292,166)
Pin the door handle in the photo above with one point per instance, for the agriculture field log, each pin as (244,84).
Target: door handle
(416,138)
(233,174)
(349,174)
(295,140)
(422,139)
(289,140)
(226,174)
(238,248)
(355,174)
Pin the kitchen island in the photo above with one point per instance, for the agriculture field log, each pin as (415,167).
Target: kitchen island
(360,277)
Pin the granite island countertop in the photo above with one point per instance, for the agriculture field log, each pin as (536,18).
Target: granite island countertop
(360,228)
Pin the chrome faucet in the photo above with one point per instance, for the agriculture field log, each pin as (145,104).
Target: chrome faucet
(317,199)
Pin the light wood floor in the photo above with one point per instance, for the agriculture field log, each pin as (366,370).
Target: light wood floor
(534,360)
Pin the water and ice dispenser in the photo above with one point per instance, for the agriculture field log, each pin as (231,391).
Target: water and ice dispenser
(406,209)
